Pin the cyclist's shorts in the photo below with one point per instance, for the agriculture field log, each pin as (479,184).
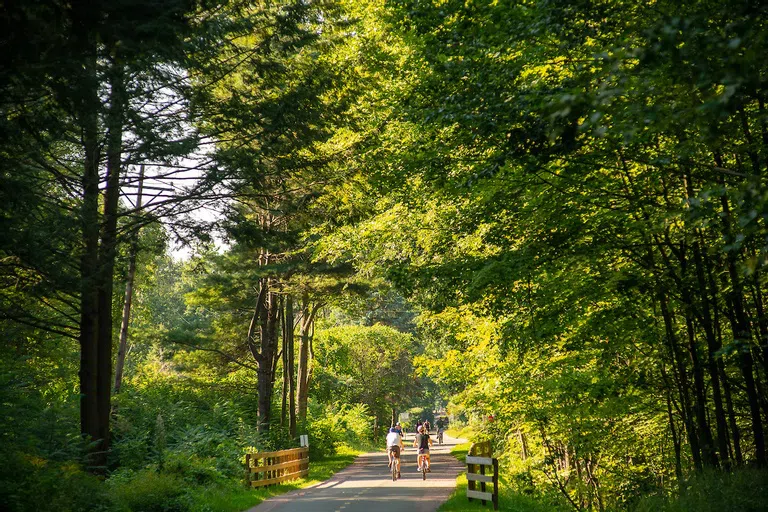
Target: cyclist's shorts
(395,450)
(424,451)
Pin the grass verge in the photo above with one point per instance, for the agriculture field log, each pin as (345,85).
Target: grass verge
(238,498)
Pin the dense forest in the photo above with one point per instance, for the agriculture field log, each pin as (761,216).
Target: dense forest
(225,223)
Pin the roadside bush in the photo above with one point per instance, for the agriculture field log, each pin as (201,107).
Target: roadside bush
(358,422)
(38,484)
(196,470)
(330,425)
(149,491)
(324,434)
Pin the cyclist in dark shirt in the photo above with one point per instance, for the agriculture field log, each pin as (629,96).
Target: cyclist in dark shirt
(423,442)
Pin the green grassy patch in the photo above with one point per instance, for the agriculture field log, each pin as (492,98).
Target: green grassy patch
(508,500)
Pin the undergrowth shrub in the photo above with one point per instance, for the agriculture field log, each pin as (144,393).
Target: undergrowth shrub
(149,491)
(38,484)
(745,490)
(334,424)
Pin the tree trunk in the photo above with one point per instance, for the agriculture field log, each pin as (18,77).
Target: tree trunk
(743,337)
(268,338)
(291,358)
(284,391)
(700,404)
(675,440)
(683,386)
(87,106)
(89,318)
(305,361)
(108,250)
(762,320)
(126,318)
(713,348)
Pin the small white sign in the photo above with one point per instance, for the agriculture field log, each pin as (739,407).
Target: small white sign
(304,440)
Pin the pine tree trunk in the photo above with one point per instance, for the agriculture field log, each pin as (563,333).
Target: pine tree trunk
(108,251)
(87,106)
(268,337)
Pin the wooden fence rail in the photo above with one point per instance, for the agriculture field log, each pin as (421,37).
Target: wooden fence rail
(478,458)
(269,468)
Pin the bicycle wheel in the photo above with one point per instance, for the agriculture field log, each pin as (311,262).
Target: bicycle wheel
(424,470)
(394,470)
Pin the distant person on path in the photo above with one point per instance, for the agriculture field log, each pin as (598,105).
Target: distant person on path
(394,445)
(423,442)
(426,426)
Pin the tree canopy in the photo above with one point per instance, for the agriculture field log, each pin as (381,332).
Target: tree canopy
(548,217)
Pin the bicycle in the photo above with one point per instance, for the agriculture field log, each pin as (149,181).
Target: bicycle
(423,464)
(440,437)
(396,466)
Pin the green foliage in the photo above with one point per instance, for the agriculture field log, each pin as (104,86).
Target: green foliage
(333,425)
(511,497)
(368,365)
(744,490)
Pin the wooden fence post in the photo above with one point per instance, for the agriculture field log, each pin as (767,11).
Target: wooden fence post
(495,484)
(483,495)
(482,484)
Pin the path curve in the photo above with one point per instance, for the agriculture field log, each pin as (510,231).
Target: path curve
(366,485)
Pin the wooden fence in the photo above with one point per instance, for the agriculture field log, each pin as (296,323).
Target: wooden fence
(479,458)
(269,468)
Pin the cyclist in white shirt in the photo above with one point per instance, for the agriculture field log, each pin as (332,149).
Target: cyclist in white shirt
(394,445)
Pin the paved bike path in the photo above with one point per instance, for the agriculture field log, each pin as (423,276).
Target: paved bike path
(366,485)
